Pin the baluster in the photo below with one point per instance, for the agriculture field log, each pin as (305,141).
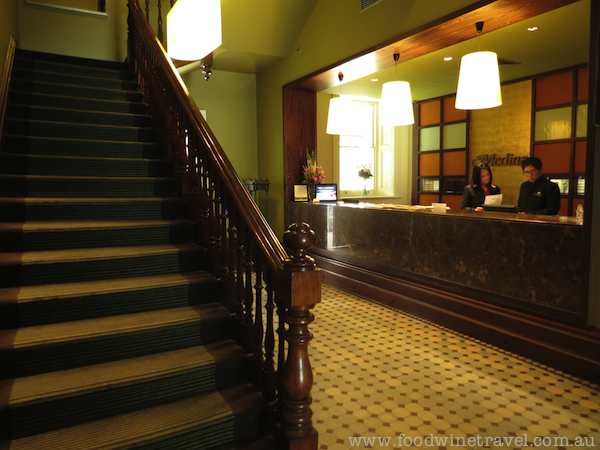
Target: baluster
(148,10)
(300,285)
(270,376)
(160,23)
(230,275)
(239,284)
(248,300)
(258,328)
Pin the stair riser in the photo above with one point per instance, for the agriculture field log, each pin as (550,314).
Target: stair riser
(34,274)
(46,417)
(71,147)
(76,91)
(22,212)
(73,80)
(84,307)
(79,131)
(23,241)
(31,165)
(21,112)
(87,188)
(71,355)
(81,104)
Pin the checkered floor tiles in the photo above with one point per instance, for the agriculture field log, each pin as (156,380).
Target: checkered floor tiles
(383,374)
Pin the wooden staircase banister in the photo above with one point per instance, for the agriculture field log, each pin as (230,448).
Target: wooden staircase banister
(258,279)
(5,82)
(275,252)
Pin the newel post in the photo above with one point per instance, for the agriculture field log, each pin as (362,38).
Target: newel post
(300,290)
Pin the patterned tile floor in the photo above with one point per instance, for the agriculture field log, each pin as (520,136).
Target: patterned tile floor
(380,373)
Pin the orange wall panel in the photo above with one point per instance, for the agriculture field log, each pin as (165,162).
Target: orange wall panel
(564,207)
(429,164)
(555,157)
(582,84)
(453,201)
(554,90)
(428,199)
(450,113)
(580,156)
(453,163)
(429,113)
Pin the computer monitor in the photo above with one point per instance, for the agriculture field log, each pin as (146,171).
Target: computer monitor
(326,192)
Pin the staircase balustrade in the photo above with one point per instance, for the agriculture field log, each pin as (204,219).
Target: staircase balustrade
(261,285)
(5,82)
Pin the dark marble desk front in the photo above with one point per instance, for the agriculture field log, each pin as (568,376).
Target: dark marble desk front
(531,262)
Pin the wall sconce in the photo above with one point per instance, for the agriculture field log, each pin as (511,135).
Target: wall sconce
(340,118)
(478,80)
(396,105)
(194,29)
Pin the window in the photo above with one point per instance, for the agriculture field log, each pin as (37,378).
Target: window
(358,151)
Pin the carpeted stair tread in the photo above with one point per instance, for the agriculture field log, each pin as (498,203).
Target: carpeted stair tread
(60,333)
(44,145)
(206,421)
(77,103)
(50,76)
(94,65)
(45,402)
(15,209)
(62,114)
(85,131)
(22,164)
(68,383)
(63,302)
(51,292)
(89,186)
(40,87)
(31,236)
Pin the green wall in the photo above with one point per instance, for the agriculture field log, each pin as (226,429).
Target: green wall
(8,28)
(229,100)
(75,34)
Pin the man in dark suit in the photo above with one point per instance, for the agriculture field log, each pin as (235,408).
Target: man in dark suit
(538,194)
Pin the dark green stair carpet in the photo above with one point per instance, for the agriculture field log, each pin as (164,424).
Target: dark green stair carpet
(111,334)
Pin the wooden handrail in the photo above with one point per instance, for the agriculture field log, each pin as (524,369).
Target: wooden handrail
(5,83)
(244,252)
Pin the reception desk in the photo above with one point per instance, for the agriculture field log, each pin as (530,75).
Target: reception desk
(527,262)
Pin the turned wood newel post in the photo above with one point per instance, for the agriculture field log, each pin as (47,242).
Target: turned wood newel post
(301,290)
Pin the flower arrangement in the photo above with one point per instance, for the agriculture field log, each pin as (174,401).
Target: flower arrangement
(312,173)
(365,172)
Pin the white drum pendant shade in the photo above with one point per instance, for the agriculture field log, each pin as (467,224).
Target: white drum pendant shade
(194,29)
(340,118)
(396,104)
(478,82)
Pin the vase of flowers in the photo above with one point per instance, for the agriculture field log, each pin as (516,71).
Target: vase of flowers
(365,173)
(312,173)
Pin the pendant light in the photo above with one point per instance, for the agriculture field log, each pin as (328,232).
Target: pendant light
(478,80)
(194,29)
(396,102)
(340,118)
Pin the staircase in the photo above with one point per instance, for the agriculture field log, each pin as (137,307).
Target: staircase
(111,335)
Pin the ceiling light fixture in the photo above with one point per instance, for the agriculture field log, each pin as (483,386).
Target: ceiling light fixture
(478,80)
(532,28)
(396,102)
(340,118)
(194,29)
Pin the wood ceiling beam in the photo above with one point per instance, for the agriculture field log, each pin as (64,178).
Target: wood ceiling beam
(433,36)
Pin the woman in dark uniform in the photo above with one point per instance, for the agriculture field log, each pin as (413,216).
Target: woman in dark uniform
(481,185)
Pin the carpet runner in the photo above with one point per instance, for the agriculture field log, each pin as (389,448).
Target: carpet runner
(111,334)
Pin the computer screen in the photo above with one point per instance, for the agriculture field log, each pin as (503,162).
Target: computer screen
(326,192)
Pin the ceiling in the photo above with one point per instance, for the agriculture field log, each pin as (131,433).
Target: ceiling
(562,40)
(259,34)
